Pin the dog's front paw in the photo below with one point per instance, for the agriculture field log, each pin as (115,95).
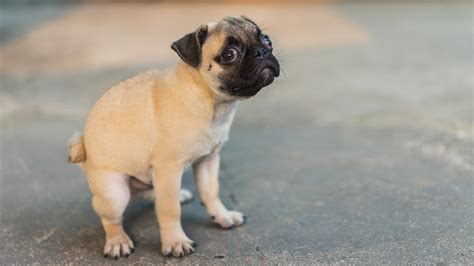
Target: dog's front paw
(118,245)
(228,219)
(176,245)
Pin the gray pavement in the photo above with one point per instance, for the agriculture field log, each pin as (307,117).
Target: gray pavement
(360,153)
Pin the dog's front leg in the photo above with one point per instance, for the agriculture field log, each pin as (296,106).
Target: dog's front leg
(167,185)
(206,173)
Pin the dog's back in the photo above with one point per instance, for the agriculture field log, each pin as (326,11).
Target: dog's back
(120,116)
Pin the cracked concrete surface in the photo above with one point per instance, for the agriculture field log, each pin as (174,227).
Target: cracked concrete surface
(362,152)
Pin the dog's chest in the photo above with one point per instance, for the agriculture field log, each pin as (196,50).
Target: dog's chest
(217,133)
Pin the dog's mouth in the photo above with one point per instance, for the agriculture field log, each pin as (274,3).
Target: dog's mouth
(271,70)
(266,76)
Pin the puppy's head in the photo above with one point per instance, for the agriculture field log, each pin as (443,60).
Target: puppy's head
(233,56)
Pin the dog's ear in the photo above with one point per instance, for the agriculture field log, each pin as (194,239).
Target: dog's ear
(189,47)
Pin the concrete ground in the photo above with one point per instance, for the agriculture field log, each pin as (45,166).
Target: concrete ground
(362,152)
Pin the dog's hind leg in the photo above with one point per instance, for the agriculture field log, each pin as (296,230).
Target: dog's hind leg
(146,192)
(111,195)
(185,196)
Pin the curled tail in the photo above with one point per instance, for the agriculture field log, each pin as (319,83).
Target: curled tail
(77,150)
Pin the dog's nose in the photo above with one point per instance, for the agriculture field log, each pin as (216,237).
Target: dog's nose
(260,52)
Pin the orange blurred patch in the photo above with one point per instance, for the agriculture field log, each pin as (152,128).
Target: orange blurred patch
(110,35)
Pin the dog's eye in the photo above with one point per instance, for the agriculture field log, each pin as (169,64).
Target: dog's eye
(266,40)
(230,55)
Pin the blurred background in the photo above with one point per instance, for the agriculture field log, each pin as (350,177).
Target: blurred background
(361,152)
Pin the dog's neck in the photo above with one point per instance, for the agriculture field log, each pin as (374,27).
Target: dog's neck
(221,106)
(224,112)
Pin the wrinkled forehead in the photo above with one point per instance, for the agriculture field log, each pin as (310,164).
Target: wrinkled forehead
(241,28)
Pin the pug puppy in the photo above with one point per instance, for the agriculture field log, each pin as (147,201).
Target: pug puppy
(144,131)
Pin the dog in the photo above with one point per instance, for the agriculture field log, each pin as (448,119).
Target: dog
(146,130)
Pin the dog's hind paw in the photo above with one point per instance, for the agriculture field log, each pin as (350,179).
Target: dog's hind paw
(185,196)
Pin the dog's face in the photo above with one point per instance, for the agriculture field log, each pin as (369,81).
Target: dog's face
(233,56)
